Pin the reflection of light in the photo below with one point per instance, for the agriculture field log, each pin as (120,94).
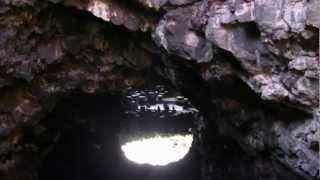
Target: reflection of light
(158,150)
(161,107)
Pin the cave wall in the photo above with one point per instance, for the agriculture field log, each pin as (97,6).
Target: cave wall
(266,48)
(258,59)
(48,51)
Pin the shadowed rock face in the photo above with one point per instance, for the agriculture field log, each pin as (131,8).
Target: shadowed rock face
(47,53)
(115,12)
(258,60)
(275,57)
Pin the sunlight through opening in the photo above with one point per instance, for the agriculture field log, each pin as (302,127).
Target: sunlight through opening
(158,150)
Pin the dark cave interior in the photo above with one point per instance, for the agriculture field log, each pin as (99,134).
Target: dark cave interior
(89,148)
(82,135)
(85,131)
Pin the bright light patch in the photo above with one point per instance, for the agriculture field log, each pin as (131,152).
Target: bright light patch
(158,150)
(161,107)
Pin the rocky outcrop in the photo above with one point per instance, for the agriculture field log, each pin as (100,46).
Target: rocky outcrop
(174,32)
(262,128)
(274,42)
(275,46)
(116,12)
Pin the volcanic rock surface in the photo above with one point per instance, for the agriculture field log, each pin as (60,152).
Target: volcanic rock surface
(253,65)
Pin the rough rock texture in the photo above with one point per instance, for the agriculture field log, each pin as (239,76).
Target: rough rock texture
(115,12)
(47,53)
(262,128)
(268,49)
(157,4)
(174,32)
(275,44)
